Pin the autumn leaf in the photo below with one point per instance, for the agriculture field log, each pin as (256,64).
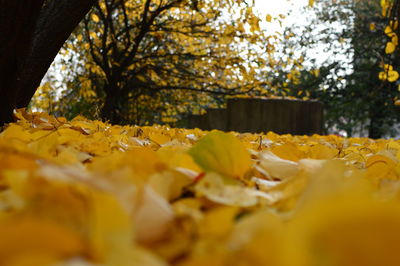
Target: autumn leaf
(340,223)
(217,189)
(393,75)
(177,157)
(277,167)
(380,167)
(132,201)
(390,48)
(372,26)
(219,222)
(323,152)
(288,151)
(253,234)
(30,235)
(221,153)
(95,18)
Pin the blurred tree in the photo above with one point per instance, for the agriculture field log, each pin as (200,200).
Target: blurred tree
(351,32)
(31,34)
(149,61)
(370,96)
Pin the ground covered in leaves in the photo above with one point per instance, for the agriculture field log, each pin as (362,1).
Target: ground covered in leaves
(84,192)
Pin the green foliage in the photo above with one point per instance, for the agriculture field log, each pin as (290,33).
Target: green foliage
(355,99)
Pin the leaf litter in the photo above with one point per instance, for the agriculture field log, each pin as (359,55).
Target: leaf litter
(85,192)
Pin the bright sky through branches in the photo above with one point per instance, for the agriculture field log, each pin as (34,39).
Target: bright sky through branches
(298,16)
(277,7)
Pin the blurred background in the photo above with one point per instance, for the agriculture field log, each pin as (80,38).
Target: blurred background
(188,60)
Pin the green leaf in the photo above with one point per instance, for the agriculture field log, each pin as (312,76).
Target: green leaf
(222,153)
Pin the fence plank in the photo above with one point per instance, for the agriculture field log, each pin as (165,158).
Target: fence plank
(281,116)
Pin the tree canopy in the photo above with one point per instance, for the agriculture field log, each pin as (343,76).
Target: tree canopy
(130,57)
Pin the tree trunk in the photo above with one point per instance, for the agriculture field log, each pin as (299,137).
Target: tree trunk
(109,111)
(17,22)
(31,34)
(375,130)
(377,118)
(56,22)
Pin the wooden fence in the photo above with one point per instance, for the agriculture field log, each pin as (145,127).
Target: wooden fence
(282,116)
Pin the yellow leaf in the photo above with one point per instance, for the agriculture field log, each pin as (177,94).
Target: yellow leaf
(389,31)
(93,35)
(389,74)
(143,162)
(222,153)
(215,188)
(277,167)
(322,152)
(95,18)
(311,3)
(177,157)
(111,231)
(390,48)
(218,222)
(380,167)
(394,24)
(29,235)
(268,18)
(171,184)
(159,137)
(388,67)
(395,39)
(383,75)
(153,216)
(349,229)
(16,132)
(252,235)
(393,75)
(288,152)
(372,26)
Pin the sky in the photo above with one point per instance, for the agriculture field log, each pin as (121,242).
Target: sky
(276,7)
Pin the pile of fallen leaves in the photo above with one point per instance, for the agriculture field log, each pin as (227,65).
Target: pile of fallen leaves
(84,192)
